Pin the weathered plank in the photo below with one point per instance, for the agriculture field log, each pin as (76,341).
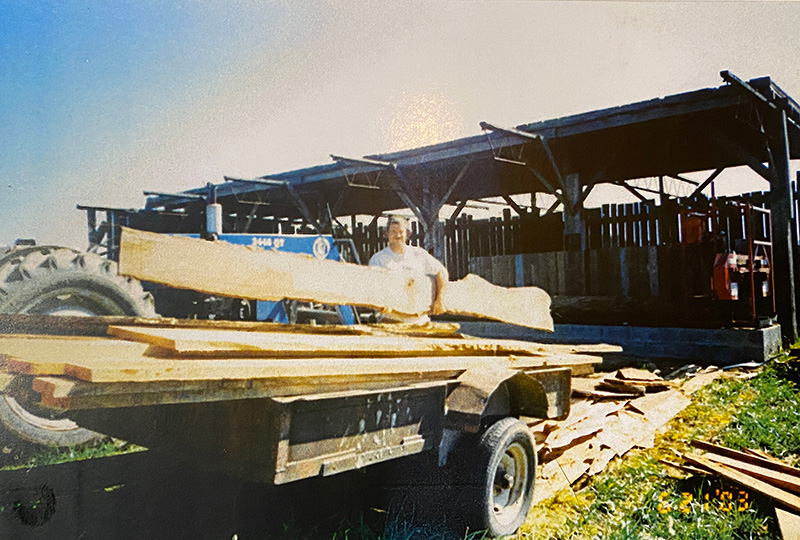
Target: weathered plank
(786,481)
(206,266)
(744,457)
(588,388)
(784,497)
(636,374)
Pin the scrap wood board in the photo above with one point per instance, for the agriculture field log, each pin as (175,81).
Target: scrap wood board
(756,471)
(113,360)
(597,431)
(789,523)
(206,267)
(782,480)
(786,498)
(762,460)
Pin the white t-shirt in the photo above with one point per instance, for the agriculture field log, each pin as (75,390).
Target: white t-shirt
(413,259)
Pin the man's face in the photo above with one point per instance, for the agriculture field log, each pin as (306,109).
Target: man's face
(397,234)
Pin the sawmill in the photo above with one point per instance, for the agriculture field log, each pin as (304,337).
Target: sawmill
(235,326)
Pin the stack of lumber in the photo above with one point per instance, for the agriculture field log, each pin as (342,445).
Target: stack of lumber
(164,362)
(604,424)
(755,471)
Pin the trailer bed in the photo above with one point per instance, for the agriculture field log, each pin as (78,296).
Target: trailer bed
(275,402)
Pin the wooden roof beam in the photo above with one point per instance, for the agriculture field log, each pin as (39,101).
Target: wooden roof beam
(777,104)
(513,204)
(293,194)
(707,181)
(405,190)
(531,137)
(736,151)
(682,179)
(633,190)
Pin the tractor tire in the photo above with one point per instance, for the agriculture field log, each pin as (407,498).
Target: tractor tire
(60,281)
(495,474)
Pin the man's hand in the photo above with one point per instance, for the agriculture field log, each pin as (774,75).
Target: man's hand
(437,308)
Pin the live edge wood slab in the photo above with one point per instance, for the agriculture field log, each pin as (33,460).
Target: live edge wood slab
(256,274)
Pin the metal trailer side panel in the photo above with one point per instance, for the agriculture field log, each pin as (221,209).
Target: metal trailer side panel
(281,440)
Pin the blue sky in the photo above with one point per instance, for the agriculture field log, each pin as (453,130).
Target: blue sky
(101,100)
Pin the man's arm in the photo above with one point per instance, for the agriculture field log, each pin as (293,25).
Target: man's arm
(441,278)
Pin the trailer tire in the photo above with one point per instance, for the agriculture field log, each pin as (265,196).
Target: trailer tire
(497,477)
(61,281)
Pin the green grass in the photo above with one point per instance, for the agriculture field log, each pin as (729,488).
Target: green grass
(52,456)
(376,525)
(771,421)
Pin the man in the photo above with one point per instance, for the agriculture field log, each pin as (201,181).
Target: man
(401,256)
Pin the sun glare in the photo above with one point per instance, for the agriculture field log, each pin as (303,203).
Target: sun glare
(420,119)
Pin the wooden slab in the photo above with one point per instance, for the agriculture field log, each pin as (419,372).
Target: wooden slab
(144,369)
(206,267)
(550,480)
(698,381)
(48,355)
(192,342)
(637,374)
(125,383)
(588,388)
(63,325)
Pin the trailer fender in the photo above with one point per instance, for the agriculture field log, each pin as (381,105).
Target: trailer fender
(495,392)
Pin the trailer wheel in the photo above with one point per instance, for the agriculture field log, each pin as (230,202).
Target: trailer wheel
(61,281)
(502,471)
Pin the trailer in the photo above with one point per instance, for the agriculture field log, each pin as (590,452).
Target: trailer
(84,354)
(281,403)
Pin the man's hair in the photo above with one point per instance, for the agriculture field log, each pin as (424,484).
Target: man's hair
(400,220)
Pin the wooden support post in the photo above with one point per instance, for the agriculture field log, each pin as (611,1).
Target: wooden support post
(574,230)
(781,206)
(432,204)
